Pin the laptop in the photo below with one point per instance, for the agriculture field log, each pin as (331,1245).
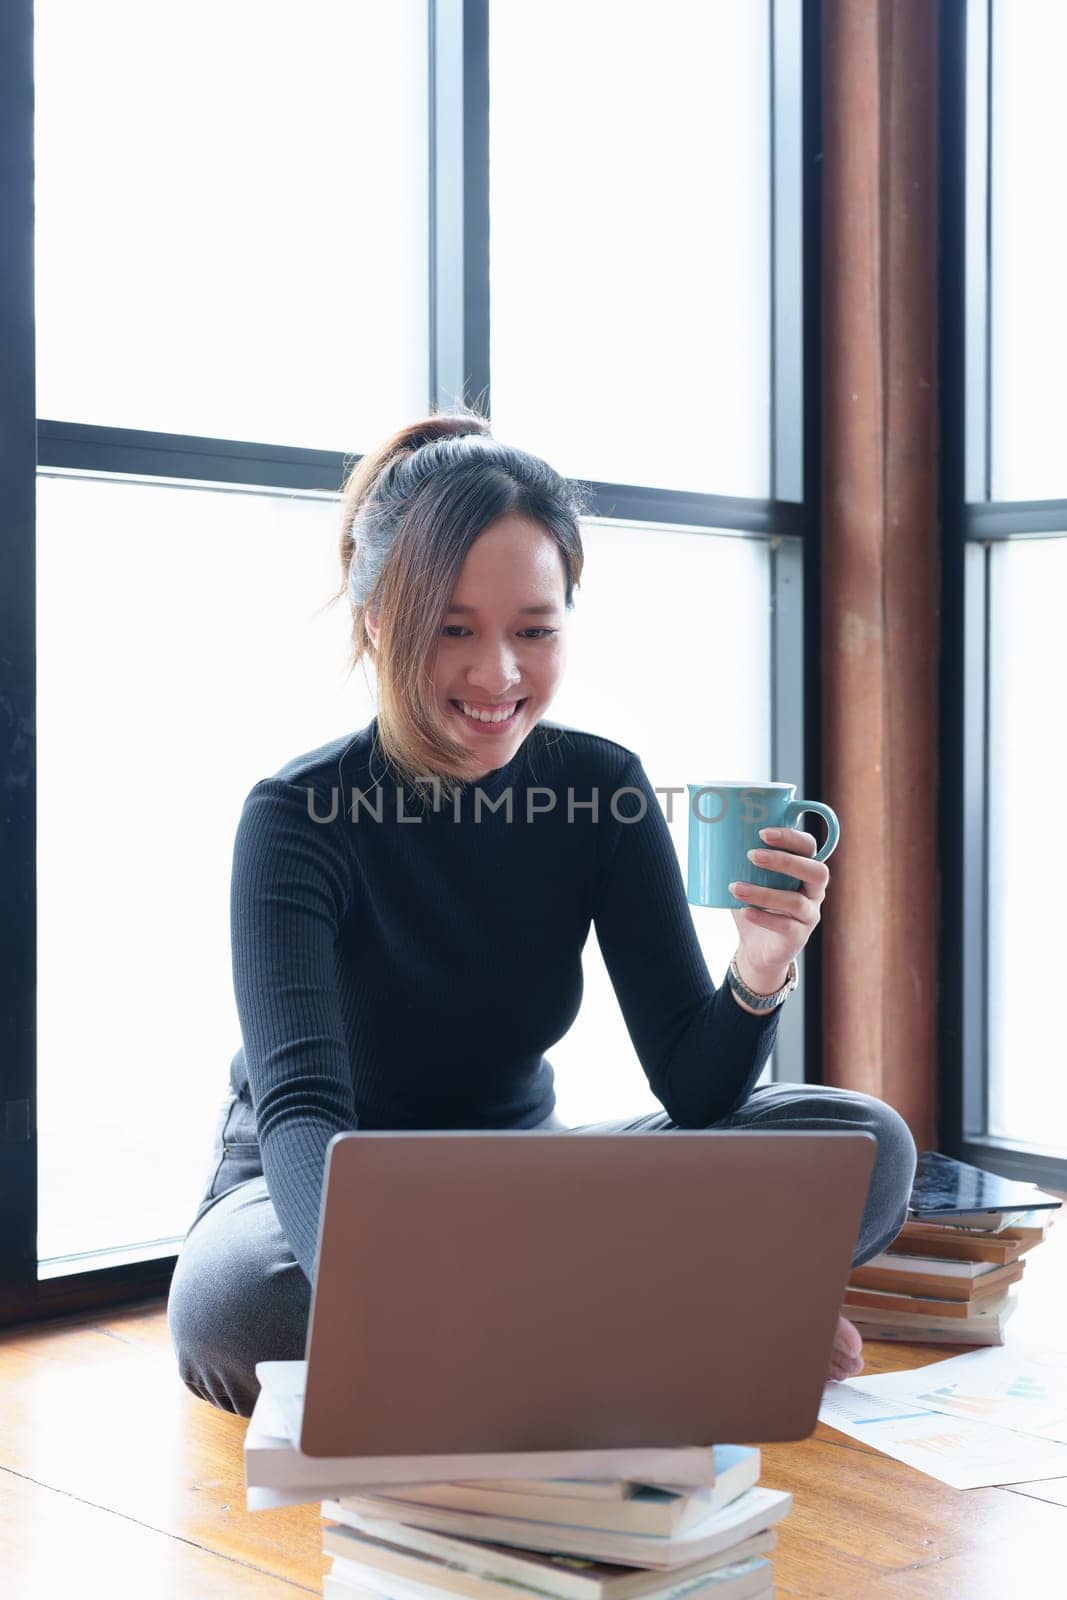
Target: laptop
(531,1291)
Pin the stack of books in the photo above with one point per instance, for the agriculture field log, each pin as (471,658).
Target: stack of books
(569,1540)
(705,1527)
(950,1282)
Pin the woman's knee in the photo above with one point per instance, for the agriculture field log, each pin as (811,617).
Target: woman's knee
(896,1155)
(237,1297)
(891,1180)
(821,1106)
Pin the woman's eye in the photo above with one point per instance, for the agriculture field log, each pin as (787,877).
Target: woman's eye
(453,629)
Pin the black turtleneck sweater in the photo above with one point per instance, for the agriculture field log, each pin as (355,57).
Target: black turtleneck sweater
(410,972)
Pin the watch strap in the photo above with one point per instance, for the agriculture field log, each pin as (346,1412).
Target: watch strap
(761,1002)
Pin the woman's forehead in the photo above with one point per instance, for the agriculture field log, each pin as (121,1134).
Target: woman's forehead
(517,569)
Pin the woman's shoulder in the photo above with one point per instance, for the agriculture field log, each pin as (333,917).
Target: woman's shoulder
(307,794)
(578,753)
(290,821)
(327,765)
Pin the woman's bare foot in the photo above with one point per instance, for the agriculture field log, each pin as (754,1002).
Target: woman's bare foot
(846,1360)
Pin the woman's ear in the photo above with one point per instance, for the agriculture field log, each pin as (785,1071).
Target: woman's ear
(370,622)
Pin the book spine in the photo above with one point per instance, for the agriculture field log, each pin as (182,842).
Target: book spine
(274,1468)
(863,1300)
(413,1565)
(917,1283)
(635,1515)
(921,1333)
(908,1242)
(954,1297)
(620,1549)
(338,1586)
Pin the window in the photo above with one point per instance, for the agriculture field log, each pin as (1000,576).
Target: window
(1005,1104)
(231,217)
(1028,244)
(630,194)
(247,268)
(691,589)
(1027,873)
(175,669)
(243,273)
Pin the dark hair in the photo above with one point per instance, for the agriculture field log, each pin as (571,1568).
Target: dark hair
(411,509)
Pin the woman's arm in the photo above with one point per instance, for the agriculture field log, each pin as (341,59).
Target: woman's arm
(702,1052)
(289,893)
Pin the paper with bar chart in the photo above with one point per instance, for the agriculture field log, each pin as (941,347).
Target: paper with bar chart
(1022,1388)
(957,1449)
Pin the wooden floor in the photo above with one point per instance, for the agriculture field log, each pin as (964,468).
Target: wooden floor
(115,1479)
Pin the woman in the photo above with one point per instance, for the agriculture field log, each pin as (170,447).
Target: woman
(409,904)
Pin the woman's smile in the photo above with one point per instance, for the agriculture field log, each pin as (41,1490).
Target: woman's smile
(487,719)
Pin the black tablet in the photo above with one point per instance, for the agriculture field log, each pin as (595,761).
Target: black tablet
(946,1188)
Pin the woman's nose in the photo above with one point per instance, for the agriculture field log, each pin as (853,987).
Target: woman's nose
(494,670)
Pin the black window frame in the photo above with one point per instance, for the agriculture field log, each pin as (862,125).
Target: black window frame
(973,523)
(459,369)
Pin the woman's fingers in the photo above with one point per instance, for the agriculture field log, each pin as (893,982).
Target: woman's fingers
(791,839)
(794,866)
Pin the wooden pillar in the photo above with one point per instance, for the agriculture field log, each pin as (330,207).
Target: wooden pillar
(880,556)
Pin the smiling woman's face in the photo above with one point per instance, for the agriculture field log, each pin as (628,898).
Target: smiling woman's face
(495,654)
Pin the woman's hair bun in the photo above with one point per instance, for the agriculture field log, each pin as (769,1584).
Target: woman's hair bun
(461,424)
(456,424)
(448,425)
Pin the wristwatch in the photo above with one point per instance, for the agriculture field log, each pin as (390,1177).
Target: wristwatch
(761,1002)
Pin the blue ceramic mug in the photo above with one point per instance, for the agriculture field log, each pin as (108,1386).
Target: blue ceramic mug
(724,825)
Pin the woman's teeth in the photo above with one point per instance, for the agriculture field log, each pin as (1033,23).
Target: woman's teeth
(503,715)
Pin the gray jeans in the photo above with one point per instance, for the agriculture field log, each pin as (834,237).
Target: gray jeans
(239,1296)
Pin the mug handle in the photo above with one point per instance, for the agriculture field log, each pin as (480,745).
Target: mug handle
(795,810)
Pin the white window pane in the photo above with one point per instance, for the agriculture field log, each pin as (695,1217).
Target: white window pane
(1029,246)
(231,217)
(1027,867)
(662,619)
(180,659)
(630,239)
(177,666)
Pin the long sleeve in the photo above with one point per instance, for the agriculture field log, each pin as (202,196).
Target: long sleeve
(290,888)
(701,1052)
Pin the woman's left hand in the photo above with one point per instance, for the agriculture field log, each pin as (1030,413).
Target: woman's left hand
(776,924)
